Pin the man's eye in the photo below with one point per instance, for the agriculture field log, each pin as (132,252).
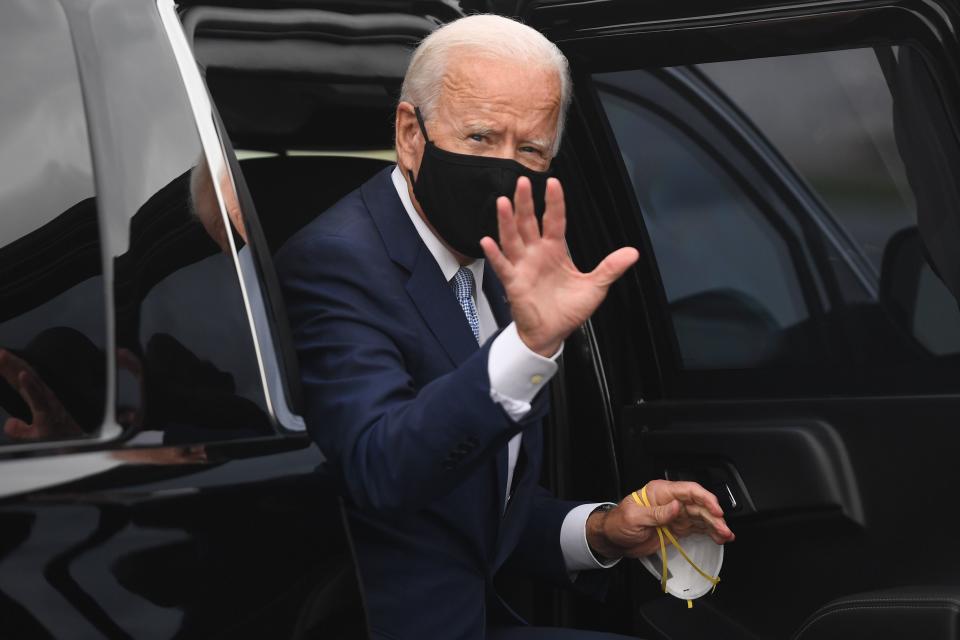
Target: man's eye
(477,137)
(531,150)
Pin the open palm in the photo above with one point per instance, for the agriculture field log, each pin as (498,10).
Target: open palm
(50,418)
(549,297)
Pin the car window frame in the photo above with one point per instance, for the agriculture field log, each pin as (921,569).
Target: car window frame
(271,339)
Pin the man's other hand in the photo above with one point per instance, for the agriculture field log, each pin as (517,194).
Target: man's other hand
(630,529)
(549,297)
(50,418)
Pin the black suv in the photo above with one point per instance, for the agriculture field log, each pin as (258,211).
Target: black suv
(790,337)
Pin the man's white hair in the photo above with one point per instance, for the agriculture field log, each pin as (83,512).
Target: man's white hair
(484,35)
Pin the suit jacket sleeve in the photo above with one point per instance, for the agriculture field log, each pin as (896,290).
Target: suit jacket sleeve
(538,552)
(398,447)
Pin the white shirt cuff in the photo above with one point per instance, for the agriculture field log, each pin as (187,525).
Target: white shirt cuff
(516,373)
(573,541)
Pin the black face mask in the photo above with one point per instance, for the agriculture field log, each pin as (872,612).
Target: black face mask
(458,193)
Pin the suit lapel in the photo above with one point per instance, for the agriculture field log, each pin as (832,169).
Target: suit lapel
(427,287)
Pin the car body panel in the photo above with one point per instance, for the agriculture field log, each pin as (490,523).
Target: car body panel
(182,523)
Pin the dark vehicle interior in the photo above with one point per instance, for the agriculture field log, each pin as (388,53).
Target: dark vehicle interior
(338,95)
(830,437)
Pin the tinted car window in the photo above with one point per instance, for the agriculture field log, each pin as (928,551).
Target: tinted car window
(52,309)
(780,198)
(851,159)
(833,121)
(713,219)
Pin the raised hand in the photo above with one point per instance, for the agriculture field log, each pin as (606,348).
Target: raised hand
(630,529)
(549,297)
(50,418)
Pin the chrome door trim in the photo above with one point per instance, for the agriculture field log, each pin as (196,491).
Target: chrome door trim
(216,156)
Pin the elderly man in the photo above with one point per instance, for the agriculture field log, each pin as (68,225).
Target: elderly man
(424,366)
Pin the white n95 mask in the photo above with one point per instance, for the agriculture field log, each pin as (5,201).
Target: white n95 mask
(689,571)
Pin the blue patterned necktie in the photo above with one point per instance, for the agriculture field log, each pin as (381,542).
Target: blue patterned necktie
(463,286)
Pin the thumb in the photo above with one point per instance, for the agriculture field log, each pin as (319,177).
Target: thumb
(17,429)
(665,513)
(614,265)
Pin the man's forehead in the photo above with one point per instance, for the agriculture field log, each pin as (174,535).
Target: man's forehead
(491,79)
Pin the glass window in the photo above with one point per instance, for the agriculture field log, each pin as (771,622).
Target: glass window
(52,309)
(187,365)
(833,121)
(793,204)
(727,314)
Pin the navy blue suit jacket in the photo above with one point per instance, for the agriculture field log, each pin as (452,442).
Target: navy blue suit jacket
(398,399)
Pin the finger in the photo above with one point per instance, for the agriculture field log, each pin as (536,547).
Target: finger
(614,266)
(523,208)
(34,392)
(697,512)
(686,492)
(698,527)
(693,492)
(510,239)
(685,526)
(664,514)
(719,539)
(716,525)
(497,260)
(10,367)
(17,429)
(555,214)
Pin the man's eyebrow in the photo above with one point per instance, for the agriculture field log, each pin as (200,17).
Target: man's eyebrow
(485,128)
(539,142)
(479,127)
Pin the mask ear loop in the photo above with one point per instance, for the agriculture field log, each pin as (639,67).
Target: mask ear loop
(423,130)
(423,126)
(643,501)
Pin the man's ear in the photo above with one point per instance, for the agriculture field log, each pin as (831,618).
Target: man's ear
(409,139)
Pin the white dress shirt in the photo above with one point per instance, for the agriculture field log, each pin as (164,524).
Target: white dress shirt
(516,375)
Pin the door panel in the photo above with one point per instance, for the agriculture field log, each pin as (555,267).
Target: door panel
(757,468)
(900,456)
(799,313)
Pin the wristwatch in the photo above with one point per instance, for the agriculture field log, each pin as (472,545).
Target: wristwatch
(602,559)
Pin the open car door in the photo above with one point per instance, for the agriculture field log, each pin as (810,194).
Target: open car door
(791,337)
